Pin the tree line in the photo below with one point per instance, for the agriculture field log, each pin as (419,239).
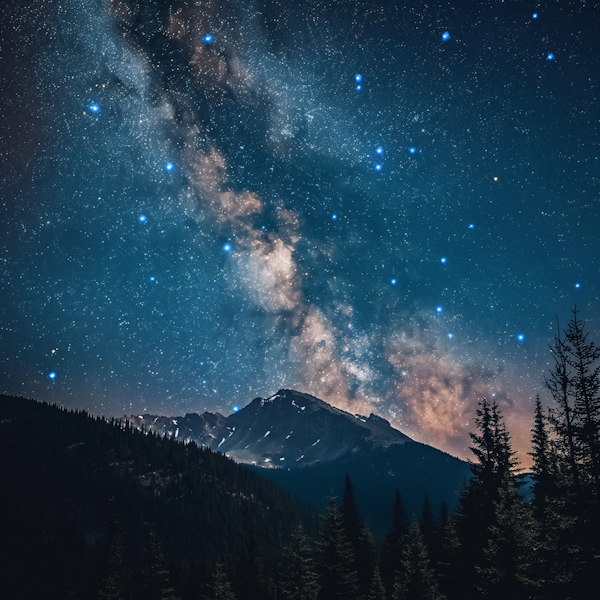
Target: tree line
(499,542)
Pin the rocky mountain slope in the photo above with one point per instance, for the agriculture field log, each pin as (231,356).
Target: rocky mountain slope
(289,429)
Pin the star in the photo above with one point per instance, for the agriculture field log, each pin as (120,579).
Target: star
(439,309)
(379,150)
(334,217)
(471,226)
(208,38)
(394,281)
(550,56)
(169,166)
(521,337)
(378,167)
(52,375)
(443,260)
(227,247)
(153,278)
(358,77)
(359,87)
(534,16)
(142,218)
(95,108)
(577,286)
(412,149)
(446,36)
(236,408)
(450,335)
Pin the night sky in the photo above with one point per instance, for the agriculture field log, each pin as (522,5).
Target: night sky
(384,204)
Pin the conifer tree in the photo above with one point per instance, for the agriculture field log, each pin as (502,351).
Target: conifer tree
(543,472)
(495,462)
(448,548)
(376,589)
(221,588)
(562,419)
(428,527)
(415,579)
(300,578)
(582,358)
(391,553)
(112,566)
(252,582)
(505,572)
(336,578)
(153,575)
(360,538)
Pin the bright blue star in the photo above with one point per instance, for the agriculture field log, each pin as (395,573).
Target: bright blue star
(394,281)
(52,375)
(412,149)
(445,36)
(95,108)
(227,247)
(236,408)
(378,167)
(358,88)
(208,38)
(450,336)
(201,362)
(471,226)
(379,150)
(169,166)
(204,381)
(577,286)
(521,337)
(439,309)
(142,218)
(334,217)
(550,56)
(153,278)
(358,77)
(443,260)
(534,16)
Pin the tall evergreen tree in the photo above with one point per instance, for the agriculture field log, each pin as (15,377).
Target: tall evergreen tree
(544,467)
(415,579)
(220,588)
(153,575)
(562,419)
(448,549)
(376,589)
(583,359)
(252,583)
(393,543)
(360,538)
(505,572)
(495,462)
(428,527)
(337,579)
(112,564)
(299,577)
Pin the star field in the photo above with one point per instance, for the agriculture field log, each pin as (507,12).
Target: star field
(382,204)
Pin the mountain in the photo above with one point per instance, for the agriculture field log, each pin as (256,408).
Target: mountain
(289,429)
(306,446)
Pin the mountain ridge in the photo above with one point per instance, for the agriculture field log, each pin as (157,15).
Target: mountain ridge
(287,429)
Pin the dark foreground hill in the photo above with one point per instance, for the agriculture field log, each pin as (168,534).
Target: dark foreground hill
(200,502)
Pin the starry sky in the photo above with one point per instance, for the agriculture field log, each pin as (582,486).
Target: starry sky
(384,204)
